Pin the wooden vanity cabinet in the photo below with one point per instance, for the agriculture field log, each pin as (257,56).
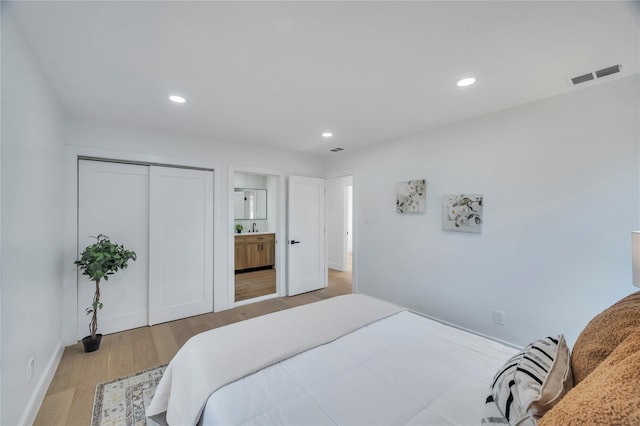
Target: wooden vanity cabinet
(254,251)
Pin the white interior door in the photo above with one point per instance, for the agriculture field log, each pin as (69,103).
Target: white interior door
(113,200)
(180,243)
(307,269)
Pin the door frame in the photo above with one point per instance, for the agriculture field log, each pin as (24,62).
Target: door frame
(281,264)
(70,276)
(354,223)
(348,218)
(339,191)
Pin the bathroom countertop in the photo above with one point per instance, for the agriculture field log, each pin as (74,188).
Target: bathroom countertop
(253,233)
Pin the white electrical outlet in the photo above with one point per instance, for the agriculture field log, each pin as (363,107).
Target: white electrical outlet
(498,317)
(30,367)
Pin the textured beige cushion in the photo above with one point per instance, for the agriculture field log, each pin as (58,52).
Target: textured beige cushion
(610,395)
(530,383)
(603,334)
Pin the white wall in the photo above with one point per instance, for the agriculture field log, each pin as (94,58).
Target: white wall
(254,181)
(32,200)
(90,138)
(121,138)
(337,226)
(272,203)
(561,182)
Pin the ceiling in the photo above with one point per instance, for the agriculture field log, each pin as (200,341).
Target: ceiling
(279,74)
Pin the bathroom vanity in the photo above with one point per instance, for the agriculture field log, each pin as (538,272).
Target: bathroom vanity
(255,250)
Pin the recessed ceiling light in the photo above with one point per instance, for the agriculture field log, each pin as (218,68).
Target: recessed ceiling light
(327,134)
(466,82)
(177,99)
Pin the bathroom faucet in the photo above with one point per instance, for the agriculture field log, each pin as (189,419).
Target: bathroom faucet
(253,228)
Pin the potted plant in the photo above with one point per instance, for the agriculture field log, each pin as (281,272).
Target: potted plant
(239,228)
(98,261)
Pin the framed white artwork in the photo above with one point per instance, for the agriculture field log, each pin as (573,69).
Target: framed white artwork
(411,196)
(462,212)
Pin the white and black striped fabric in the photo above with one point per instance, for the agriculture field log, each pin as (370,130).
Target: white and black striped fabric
(529,383)
(493,415)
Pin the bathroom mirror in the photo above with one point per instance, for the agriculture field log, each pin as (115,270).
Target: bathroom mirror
(250,203)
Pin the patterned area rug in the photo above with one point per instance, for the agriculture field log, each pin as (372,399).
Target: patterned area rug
(122,401)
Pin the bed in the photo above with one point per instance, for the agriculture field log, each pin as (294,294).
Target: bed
(357,360)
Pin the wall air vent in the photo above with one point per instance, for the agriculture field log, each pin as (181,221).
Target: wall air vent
(608,71)
(336,149)
(596,74)
(582,78)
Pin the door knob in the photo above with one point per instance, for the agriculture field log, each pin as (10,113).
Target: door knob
(292,242)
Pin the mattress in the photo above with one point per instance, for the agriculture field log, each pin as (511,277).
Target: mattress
(210,360)
(404,369)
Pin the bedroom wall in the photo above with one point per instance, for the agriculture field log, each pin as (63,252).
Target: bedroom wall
(32,199)
(560,179)
(87,137)
(124,139)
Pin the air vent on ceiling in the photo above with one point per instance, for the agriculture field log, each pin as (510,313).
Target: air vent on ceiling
(608,71)
(336,149)
(599,74)
(582,78)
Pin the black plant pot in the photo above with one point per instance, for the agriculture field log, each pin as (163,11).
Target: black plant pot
(90,344)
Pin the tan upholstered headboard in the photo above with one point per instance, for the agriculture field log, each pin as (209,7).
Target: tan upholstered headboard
(603,334)
(606,368)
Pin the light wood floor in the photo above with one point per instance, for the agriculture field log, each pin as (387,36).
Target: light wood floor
(69,399)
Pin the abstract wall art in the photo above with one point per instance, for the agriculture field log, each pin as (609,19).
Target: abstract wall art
(462,212)
(411,196)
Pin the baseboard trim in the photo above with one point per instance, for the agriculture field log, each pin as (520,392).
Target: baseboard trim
(336,266)
(468,330)
(38,395)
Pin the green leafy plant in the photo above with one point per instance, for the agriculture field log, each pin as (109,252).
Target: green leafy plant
(239,228)
(98,261)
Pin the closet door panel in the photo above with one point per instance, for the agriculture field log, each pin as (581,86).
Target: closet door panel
(180,243)
(113,200)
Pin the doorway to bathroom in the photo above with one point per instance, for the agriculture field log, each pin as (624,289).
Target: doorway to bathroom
(255,207)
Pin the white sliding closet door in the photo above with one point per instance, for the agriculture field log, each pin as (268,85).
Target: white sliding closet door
(180,243)
(113,199)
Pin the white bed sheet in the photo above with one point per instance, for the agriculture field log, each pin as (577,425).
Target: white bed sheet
(404,369)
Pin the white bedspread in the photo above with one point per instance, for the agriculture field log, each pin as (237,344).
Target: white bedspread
(217,357)
(404,369)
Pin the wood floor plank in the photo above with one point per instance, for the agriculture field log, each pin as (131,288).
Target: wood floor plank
(181,331)
(215,321)
(95,364)
(277,304)
(145,355)
(82,406)
(66,375)
(55,408)
(197,324)
(252,284)
(69,399)
(120,355)
(164,342)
